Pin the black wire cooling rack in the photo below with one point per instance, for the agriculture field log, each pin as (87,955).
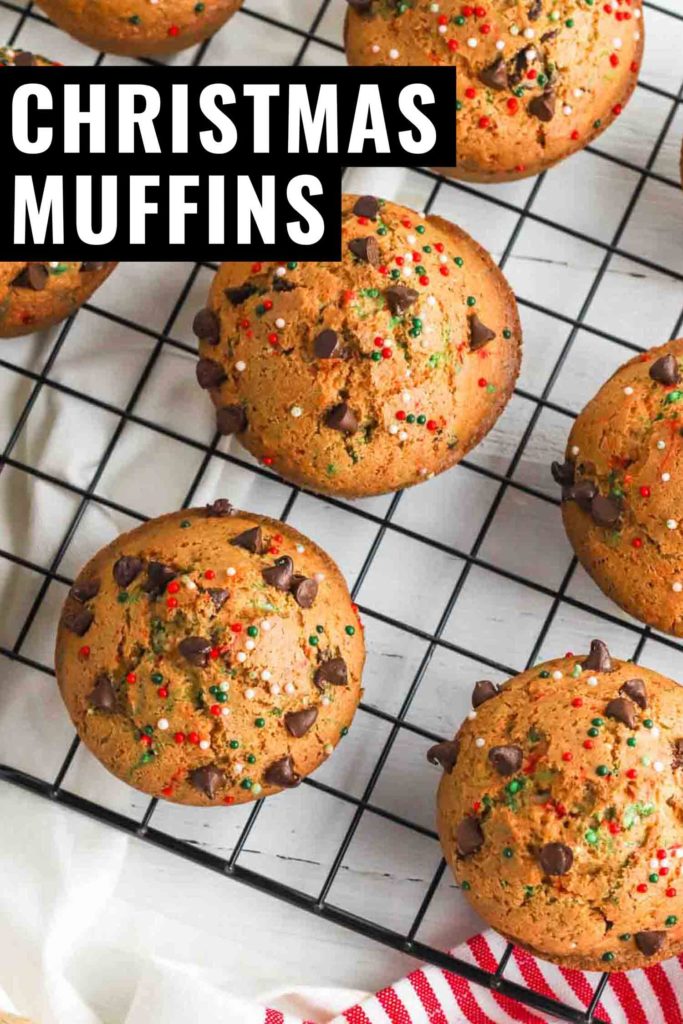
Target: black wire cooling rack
(320,904)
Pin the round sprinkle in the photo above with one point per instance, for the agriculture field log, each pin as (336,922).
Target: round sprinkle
(661,445)
(296,411)
(677,587)
(280,323)
(250,694)
(628,390)
(241,656)
(394,54)
(479,742)
(204,744)
(289,688)
(665,477)
(230,571)
(592,680)
(265,675)
(557,674)
(672,524)
(162,724)
(472,43)
(240,366)
(658,766)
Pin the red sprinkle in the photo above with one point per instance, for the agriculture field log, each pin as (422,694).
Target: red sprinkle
(431,425)
(670,892)
(575,135)
(228,800)
(641,888)
(631,774)
(661,854)
(173,31)
(424,280)
(613,59)
(645,491)
(131,678)
(577,702)
(171,602)
(588,744)
(400,415)
(482,382)
(193,737)
(484,122)
(236,627)
(513,105)
(162,691)
(636,542)
(167,790)
(209,574)
(173,587)
(179,737)
(256,268)
(84,652)
(470,93)
(614,827)
(215,709)
(567,756)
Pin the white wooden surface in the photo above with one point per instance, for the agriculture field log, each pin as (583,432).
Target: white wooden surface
(255,941)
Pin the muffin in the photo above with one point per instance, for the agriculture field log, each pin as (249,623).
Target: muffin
(210,656)
(536,80)
(620,499)
(13,57)
(560,809)
(371,374)
(34,296)
(140,28)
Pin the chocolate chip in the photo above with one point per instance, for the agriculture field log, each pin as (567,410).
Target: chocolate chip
(332,671)
(250,540)
(281,773)
(677,754)
(543,107)
(281,574)
(563,472)
(605,511)
(649,943)
(480,334)
(91,268)
(635,689)
(535,10)
(326,345)
(469,837)
(240,294)
(506,760)
(556,858)
(598,659)
(547,36)
(103,694)
(196,650)
(366,206)
(495,76)
(445,754)
(281,284)
(623,711)
(158,578)
(207,326)
(218,596)
(400,298)
(582,493)
(362,6)
(304,590)
(79,622)
(207,779)
(210,374)
(665,370)
(365,249)
(483,690)
(24,59)
(231,419)
(85,590)
(126,568)
(219,509)
(298,723)
(34,276)
(342,418)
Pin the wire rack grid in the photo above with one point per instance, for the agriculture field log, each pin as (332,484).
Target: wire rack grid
(597,267)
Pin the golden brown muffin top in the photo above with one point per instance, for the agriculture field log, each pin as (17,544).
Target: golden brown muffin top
(536,79)
(13,57)
(210,656)
(560,810)
(369,374)
(622,486)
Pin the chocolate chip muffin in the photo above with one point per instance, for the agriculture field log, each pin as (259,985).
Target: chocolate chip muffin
(537,80)
(34,296)
(371,374)
(13,57)
(210,656)
(139,28)
(620,499)
(560,810)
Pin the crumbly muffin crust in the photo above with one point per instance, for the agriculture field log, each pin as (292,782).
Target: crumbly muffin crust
(621,487)
(139,28)
(371,374)
(537,80)
(560,811)
(210,656)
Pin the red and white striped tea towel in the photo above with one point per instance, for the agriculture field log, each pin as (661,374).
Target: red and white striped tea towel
(430,995)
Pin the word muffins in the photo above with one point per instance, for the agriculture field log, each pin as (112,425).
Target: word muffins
(139,28)
(371,374)
(621,487)
(210,656)
(536,80)
(559,811)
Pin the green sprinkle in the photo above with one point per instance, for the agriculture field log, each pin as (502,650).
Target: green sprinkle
(410,418)
(569,23)
(647,761)
(252,630)
(576,671)
(591,836)
(256,788)
(460,20)
(420,229)
(259,722)
(147,756)
(508,852)
(602,770)
(544,674)
(293,265)
(597,721)
(471,301)
(234,744)
(631,741)
(458,260)
(198,8)
(514,786)
(465,886)
(319,629)
(596,124)
(122,597)
(251,759)
(135,19)
(648,723)
(157,678)
(542,79)
(653,878)
(395,274)
(221,697)
(593,732)
(673,396)
(507,333)
(313,641)
(422,419)
(382,231)
(349,630)
(344,731)
(608,957)
(420,270)
(246,784)
(184,523)
(625,937)
(671,921)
